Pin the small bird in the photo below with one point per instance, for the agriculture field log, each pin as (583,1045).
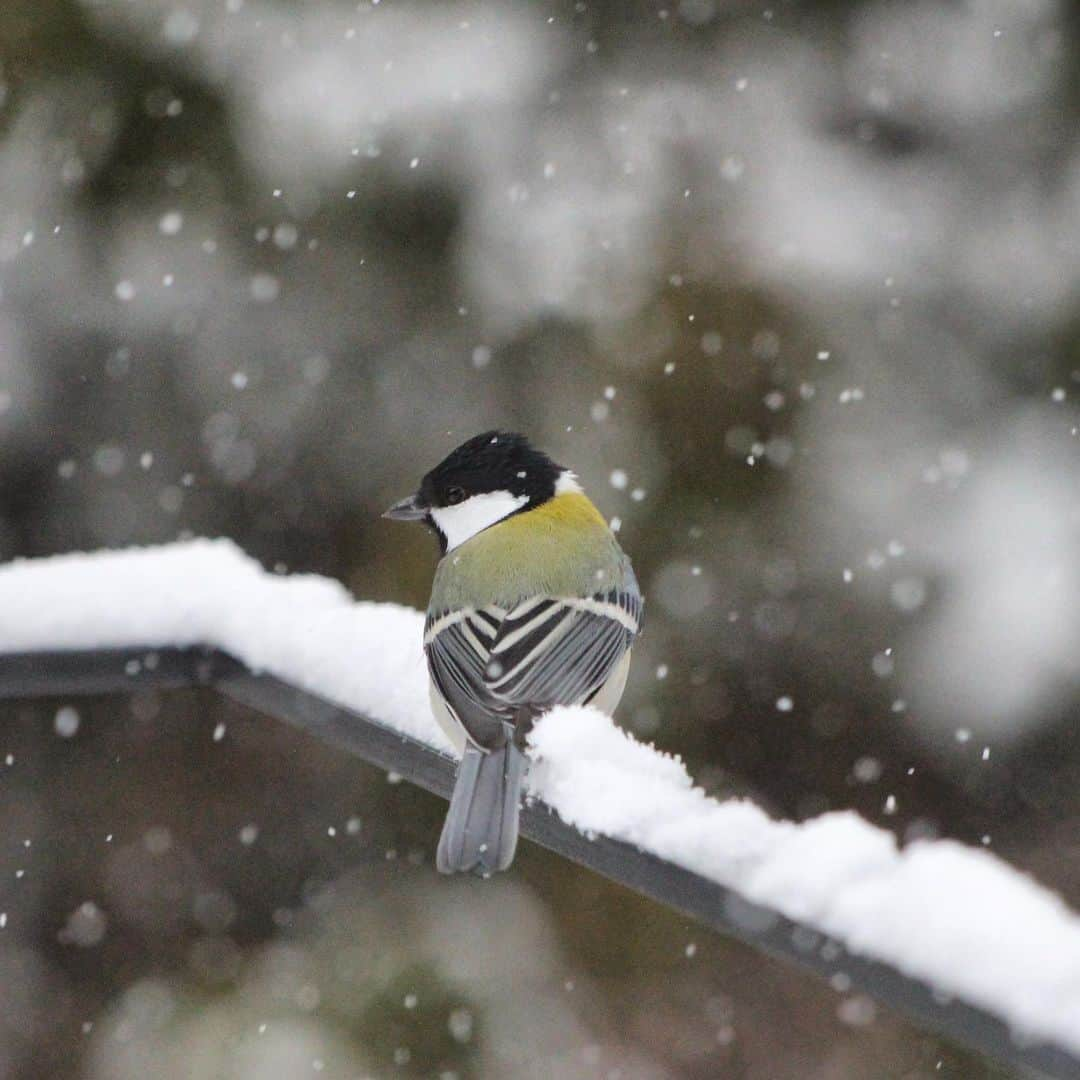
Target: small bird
(534,604)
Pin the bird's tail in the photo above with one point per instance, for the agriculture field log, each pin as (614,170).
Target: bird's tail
(481,827)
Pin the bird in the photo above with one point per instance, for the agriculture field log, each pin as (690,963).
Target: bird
(533,604)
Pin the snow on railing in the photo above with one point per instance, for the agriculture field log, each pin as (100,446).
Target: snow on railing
(951,935)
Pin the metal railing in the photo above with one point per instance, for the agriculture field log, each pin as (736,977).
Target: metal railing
(38,674)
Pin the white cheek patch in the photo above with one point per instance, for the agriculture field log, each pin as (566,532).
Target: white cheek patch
(459,523)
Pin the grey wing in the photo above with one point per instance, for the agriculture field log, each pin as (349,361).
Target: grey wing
(561,650)
(458,646)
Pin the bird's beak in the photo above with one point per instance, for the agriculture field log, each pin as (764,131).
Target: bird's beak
(410,509)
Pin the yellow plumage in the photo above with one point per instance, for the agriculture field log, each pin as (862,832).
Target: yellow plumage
(572,510)
(561,548)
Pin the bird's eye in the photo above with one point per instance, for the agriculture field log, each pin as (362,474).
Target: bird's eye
(455,495)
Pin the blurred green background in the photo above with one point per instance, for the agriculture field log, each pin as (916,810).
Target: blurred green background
(792,286)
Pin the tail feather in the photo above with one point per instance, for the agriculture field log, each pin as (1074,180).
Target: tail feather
(481,827)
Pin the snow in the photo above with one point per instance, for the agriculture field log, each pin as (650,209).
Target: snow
(302,628)
(957,917)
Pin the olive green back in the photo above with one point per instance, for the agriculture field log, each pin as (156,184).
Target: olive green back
(562,548)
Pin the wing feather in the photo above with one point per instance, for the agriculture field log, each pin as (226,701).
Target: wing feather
(488,663)
(562,650)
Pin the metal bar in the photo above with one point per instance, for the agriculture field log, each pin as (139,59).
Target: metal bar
(123,670)
(374,742)
(103,671)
